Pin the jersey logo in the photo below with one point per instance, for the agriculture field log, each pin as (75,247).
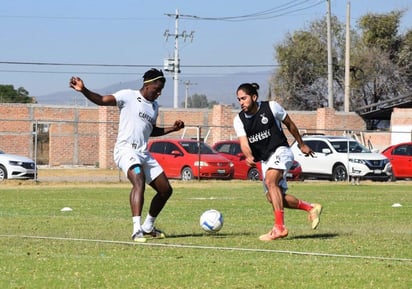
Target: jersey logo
(139,99)
(264,119)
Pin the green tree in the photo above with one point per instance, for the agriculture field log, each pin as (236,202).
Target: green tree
(11,95)
(380,63)
(382,60)
(300,82)
(199,101)
(381,31)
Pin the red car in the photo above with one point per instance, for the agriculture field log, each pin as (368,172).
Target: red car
(182,159)
(230,149)
(400,156)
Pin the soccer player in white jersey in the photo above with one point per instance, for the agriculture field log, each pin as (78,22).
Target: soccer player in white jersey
(258,127)
(137,122)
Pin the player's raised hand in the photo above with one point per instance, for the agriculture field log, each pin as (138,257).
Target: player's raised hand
(179,124)
(76,83)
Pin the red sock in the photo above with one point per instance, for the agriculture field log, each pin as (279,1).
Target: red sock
(279,219)
(302,205)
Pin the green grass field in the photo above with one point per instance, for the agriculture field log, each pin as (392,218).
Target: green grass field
(362,241)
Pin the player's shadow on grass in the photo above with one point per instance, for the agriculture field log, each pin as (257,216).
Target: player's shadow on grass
(316,236)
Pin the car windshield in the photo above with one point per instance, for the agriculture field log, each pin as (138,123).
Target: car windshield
(354,147)
(193,148)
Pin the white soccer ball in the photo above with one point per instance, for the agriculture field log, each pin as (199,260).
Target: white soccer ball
(211,221)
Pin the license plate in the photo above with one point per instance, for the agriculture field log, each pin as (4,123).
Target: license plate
(289,175)
(221,171)
(378,172)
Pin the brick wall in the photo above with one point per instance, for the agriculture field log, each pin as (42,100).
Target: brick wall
(86,135)
(73,133)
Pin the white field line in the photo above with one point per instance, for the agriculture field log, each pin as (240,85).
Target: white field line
(184,246)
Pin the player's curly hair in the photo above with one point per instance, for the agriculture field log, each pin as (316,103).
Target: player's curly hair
(153,75)
(249,88)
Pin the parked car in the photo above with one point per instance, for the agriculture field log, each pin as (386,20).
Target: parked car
(184,159)
(230,149)
(400,156)
(16,167)
(336,157)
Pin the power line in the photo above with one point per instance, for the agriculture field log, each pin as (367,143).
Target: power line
(274,12)
(133,65)
(282,10)
(88,18)
(75,64)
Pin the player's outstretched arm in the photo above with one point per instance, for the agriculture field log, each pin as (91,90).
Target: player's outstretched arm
(106,100)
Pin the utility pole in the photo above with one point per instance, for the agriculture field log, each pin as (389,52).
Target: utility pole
(347,59)
(330,64)
(174,65)
(187,83)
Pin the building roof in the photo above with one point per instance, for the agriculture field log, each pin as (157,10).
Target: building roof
(382,110)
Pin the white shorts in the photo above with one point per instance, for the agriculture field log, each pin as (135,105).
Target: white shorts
(126,157)
(281,159)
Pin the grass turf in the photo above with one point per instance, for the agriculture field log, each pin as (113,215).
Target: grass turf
(362,242)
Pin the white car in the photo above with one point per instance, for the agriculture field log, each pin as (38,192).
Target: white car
(16,167)
(333,160)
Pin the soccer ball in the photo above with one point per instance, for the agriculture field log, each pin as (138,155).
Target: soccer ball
(211,221)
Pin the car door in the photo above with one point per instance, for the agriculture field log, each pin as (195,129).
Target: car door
(174,159)
(162,152)
(321,162)
(238,159)
(401,160)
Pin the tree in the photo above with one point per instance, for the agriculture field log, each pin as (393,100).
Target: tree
(9,94)
(381,63)
(384,59)
(381,31)
(199,101)
(405,56)
(301,79)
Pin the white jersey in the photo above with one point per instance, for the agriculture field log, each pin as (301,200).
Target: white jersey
(278,112)
(137,119)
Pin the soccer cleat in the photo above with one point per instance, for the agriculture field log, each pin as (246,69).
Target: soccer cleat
(155,234)
(314,215)
(274,234)
(139,237)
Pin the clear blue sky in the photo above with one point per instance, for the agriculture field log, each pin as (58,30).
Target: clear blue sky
(130,32)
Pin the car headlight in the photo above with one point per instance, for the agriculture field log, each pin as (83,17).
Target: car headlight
(231,164)
(16,163)
(357,161)
(200,164)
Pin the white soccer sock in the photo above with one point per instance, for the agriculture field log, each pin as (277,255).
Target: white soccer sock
(136,223)
(148,223)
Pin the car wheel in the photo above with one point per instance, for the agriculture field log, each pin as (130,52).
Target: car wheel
(339,173)
(253,174)
(3,173)
(187,174)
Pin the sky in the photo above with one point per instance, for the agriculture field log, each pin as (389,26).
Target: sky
(43,43)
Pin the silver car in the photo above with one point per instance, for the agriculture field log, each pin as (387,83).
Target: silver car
(16,167)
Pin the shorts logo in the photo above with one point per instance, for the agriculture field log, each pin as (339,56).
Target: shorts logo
(264,119)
